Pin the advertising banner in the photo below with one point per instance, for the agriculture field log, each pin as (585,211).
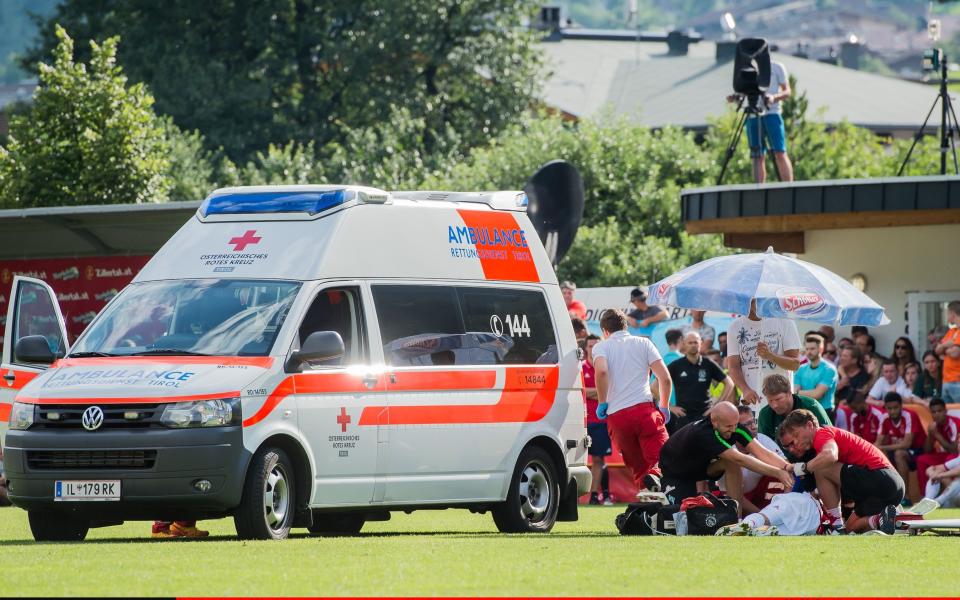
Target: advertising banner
(83,285)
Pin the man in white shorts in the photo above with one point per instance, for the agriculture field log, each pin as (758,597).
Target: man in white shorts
(792,513)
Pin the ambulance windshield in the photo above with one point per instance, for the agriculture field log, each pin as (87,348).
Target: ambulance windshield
(206,317)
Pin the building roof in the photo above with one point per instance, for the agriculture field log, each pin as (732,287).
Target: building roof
(641,82)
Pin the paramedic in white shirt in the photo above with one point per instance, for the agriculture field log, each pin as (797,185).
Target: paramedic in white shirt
(622,364)
(757,348)
(772,126)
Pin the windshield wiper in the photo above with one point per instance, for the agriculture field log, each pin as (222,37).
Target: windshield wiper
(91,354)
(168,351)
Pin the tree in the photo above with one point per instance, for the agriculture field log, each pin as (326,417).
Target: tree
(249,74)
(88,137)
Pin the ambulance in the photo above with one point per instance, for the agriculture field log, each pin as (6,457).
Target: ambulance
(306,357)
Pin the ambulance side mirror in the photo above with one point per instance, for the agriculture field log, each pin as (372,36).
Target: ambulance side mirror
(33,349)
(319,346)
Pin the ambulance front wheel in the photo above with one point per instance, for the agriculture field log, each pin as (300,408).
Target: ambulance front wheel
(56,527)
(267,506)
(534,495)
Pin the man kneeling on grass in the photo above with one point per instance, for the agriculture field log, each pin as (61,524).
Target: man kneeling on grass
(706,449)
(845,466)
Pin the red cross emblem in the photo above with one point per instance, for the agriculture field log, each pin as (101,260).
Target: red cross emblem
(248,239)
(343,419)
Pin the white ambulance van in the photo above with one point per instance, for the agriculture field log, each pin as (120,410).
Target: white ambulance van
(306,356)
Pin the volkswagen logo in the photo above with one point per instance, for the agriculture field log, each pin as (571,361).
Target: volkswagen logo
(92,418)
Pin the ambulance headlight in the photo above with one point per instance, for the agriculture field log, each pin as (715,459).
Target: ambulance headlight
(21,415)
(202,413)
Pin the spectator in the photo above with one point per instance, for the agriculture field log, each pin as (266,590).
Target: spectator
(722,343)
(903,354)
(846,467)
(844,342)
(949,350)
(579,328)
(945,477)
(623,363)
(692,376)
(928,382)
(781,402)
(574,307)
(707,333)
(901,435)
(643,315)
(911,375)
(704,450)
(600,447)
(935,335)
(828,334)
(852,377)
(717,389)
(861,418)
(816,378)
(674,339)
(858,330)
(890,381)
(758,348)
(830,353)
(943,437)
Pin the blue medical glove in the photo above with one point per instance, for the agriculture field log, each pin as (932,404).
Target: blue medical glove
(602,410)
(666,414)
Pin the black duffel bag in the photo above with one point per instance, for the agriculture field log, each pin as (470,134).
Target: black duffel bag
(706,520)
(647,518)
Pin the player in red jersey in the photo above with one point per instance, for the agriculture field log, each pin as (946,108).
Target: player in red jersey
(943,439)
(845,466)
(901,435)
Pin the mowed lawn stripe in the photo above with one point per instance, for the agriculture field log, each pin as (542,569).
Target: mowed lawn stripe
(458,553)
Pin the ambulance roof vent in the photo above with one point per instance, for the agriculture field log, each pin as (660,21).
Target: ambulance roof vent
(304,200)
(507,200)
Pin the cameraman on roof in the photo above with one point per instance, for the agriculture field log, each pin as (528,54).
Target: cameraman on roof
(772,126)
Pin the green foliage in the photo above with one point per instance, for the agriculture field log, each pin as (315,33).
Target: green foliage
(253,74)
(194,170)
(88,138)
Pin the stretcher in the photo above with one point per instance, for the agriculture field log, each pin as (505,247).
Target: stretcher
(916,526)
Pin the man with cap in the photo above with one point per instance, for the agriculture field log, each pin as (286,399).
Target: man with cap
(574,307)
(643,315)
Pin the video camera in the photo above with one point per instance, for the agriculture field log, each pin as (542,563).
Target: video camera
(751,72)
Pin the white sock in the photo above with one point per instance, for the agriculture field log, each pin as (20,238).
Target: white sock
(755,520)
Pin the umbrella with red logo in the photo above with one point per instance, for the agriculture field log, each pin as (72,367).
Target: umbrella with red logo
(783,287)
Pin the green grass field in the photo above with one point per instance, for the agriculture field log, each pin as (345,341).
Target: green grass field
(457,553)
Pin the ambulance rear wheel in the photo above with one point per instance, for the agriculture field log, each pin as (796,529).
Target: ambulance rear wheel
(534,495)
(267,507)
(54,527)
(337,524)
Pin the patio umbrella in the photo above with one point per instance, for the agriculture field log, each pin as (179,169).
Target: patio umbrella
(784,287)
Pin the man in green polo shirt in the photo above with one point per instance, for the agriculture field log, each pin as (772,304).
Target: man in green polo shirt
(781,401)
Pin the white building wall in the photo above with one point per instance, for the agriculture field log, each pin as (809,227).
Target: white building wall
(894,260)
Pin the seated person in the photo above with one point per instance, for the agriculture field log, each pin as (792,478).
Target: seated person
(781,401)
(889,381)
(706,449)
(792,513)
(901,435)
(861,418)
(942,489)
(943,437)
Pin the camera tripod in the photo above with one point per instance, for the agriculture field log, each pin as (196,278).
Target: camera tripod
(948,125)
(755,106)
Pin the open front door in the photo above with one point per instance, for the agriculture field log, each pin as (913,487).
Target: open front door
(34,310)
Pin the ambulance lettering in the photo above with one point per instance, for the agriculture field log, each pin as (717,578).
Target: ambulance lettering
(497,241)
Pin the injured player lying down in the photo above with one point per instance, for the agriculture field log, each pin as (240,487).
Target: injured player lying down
(791,513)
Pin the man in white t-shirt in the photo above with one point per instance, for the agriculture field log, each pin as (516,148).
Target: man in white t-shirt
(889,381)
(771,126)
(759,347)
(622,365)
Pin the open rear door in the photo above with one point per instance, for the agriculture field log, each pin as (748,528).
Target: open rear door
(33,310)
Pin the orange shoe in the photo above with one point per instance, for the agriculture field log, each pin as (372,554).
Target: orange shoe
(183,531)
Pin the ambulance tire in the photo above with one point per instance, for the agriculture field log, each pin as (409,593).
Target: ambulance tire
(266,509)
(534,495)
(55,527)
(334,525)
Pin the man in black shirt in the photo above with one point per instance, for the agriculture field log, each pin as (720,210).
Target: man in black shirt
(692,375)
(705,449)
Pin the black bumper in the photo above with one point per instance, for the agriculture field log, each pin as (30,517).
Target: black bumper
(163,490)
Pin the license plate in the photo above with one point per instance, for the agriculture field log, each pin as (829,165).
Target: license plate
(96,490)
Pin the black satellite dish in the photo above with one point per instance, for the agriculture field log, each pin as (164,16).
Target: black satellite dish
(555,194)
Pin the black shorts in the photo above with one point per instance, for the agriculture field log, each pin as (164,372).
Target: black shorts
(678,489)
(912,454)
(870,491)
(599,439)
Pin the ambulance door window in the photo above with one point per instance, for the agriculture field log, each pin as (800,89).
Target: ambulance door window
(421,325)
(340,310)
(514,324)
(36,314)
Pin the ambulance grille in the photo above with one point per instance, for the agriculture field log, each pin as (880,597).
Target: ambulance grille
(91,459)
(69,416)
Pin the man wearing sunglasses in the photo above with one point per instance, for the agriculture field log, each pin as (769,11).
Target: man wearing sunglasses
(845,466)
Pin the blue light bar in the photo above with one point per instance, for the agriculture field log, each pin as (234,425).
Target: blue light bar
(272,202)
